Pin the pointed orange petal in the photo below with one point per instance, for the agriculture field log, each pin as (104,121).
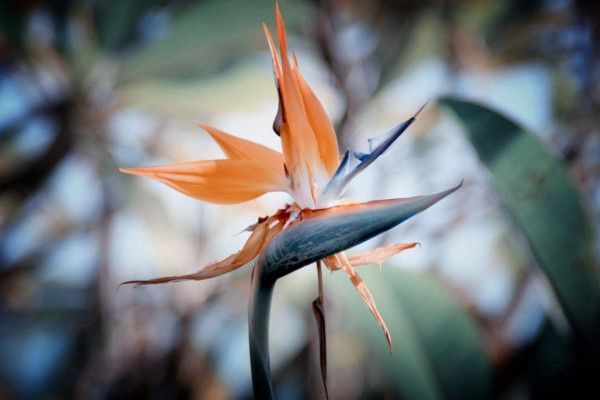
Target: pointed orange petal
(364,293)
(217,181)
(256,242)
(278,122)
(272,49)
(320,123)
(378,255)
(300,148)
(242,149)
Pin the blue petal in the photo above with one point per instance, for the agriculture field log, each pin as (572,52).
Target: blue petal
(331,191)
(377,146)
(360,156)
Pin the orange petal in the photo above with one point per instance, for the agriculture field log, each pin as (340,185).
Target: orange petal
(217,181)
(378,255)
(242,149)
(300,148)
(276,67)
(340,261)
(278,122)
(256,242)
(320,123)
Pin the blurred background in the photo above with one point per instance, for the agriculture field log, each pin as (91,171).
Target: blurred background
(501,301)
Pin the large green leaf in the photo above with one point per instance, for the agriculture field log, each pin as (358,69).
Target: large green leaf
(543,201)
(438,350)
(208,34)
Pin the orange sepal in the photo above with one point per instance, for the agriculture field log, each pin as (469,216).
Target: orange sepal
(320,123)
(277,74)
(379,255)
(261,235)
(241,149)
(273,51)
(340,261)
(217,181)
(300,148)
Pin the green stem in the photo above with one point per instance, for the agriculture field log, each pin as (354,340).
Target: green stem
(258,326)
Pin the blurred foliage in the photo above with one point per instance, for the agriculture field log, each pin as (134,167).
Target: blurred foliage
(546,206)
(438,351)
(77,78)
(200,42)
(541,198)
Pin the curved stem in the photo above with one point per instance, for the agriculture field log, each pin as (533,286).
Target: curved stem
(258,329)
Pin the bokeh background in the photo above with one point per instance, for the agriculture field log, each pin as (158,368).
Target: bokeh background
(501,301)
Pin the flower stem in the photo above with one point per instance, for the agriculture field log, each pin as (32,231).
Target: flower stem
(258,326)
(318,306)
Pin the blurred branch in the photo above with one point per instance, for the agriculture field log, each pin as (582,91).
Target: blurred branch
(356,79)
(27,179)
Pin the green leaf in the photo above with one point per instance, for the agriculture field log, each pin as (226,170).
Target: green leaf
(208,34)
(438,350)
(545,205)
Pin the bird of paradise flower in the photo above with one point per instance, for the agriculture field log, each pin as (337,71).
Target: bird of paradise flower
(316,227)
